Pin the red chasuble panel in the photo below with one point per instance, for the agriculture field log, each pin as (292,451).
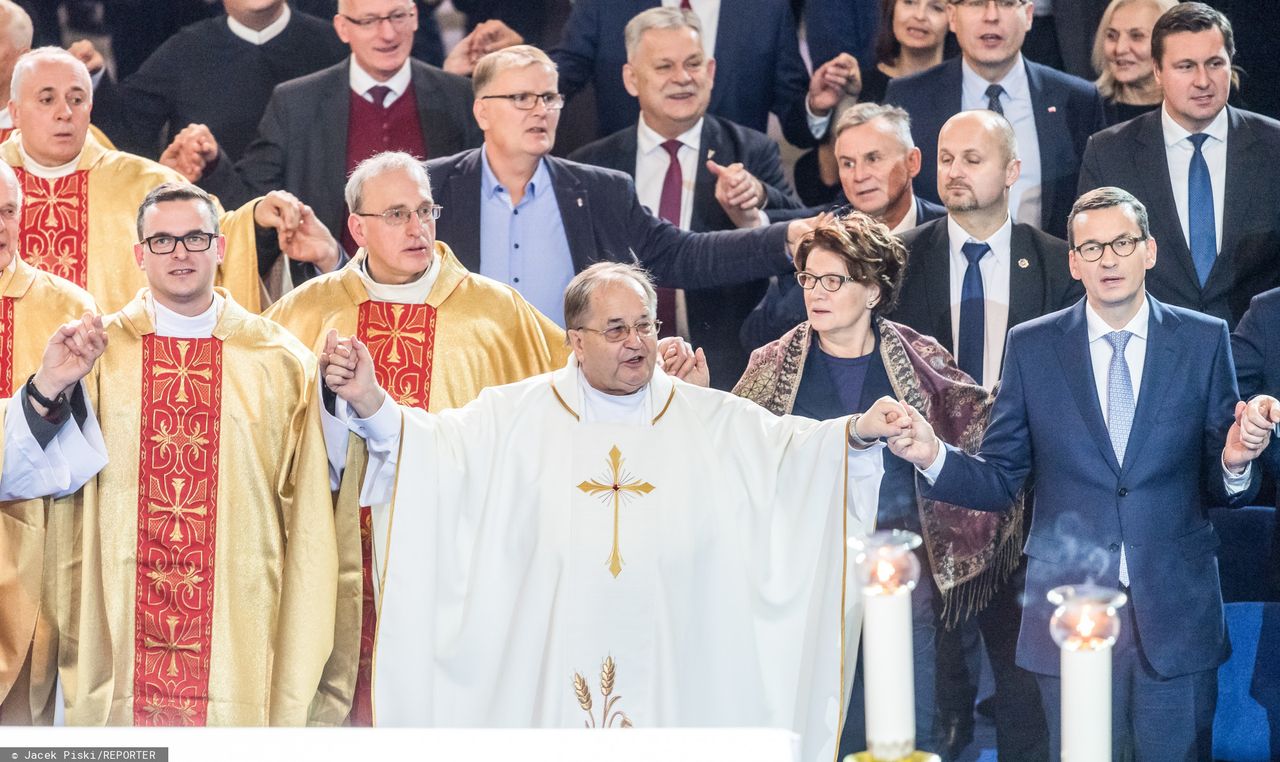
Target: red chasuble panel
(177,514)
(6,347)
(401,339)
(55,224)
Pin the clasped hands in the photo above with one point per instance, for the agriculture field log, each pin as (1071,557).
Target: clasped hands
(1250,432)
(69,356)
(908,434)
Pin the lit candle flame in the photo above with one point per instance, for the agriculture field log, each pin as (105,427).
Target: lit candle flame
(1086,625)
(886,575)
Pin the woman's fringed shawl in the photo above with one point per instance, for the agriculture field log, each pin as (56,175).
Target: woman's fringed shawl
(972,552)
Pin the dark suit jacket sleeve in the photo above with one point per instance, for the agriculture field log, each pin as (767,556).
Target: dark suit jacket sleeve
(1090,171)
(781,309)
(1252,345)
(575,56)
(991,480)
(133,112)
(261,169)
(791,84)
(766,165)
(1222,398)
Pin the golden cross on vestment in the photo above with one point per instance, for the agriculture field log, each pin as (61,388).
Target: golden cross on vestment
(50,202)
(619,490)
(172,645)
(396,333)
(178,508)
(183,372)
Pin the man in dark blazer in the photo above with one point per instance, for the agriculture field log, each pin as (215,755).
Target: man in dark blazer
(760,69)
(1125,413)
(670,75)
(1153,157)
(308,142)
(1053,114)
(517,214)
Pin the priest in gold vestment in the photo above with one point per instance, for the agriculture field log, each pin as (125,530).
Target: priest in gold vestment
(32,306)
(197,572)
(438,334)
(81,196)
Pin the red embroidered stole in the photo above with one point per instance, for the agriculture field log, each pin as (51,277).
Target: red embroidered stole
(6,346)
(55,224)
(401,339)
(177,515)
(5,132)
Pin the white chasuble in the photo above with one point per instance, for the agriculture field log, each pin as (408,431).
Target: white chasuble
(542,570)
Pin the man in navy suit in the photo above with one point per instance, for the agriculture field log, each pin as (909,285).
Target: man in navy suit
(695,170)
(755,42)
(1125,413)
(1219,226)
(1053,114)
(525,218)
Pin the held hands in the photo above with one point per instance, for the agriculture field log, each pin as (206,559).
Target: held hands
(800,227)
(679,359)
(347,369)
(301,235)
(1251,432)
(832,81)
(739,192)
(70,354)
(487,37)
(85,51)
(918,445)
(192,152)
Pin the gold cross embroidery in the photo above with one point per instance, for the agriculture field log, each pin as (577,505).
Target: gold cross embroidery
(172,645)
(183,372)
(396,333)
(178,508)
(618,488)
(47,201)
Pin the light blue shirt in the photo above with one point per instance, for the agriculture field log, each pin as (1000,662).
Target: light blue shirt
(524,246)
(1026,194)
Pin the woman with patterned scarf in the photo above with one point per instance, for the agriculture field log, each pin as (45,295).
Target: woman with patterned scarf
(845,355)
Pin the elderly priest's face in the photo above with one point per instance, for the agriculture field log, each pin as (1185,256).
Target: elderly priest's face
(396,227)
(626,365)
(52,109)
(10,215)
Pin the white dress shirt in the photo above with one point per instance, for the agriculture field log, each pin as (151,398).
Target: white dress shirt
(1026,195)
(362,80)
(268,33)
(652,161)
(994,268)
(1178,151)
(911,219)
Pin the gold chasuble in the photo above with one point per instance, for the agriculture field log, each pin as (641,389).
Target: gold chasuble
(33,304)
(202,567)
(477,333)
(82,227)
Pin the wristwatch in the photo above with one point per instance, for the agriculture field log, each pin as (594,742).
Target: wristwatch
(50,404)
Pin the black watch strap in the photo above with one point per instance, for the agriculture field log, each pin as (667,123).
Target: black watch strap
(50,404)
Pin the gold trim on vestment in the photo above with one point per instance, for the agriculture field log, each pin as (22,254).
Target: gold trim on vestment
(844,576)
(663,412)
(563,404)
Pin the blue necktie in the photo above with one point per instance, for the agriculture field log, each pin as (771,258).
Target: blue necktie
(993,99)
(973,321)
(1201,224)
(1120,405)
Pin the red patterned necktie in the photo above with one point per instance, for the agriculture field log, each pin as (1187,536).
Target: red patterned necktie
(669,210)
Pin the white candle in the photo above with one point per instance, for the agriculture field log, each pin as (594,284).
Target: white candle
(887,674)
(1086,702)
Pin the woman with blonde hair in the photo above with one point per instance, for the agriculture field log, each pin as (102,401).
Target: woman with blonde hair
(1122,55)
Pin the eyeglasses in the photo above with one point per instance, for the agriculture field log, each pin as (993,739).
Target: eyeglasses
(979,5)
(399,215)
(615,333)
(192,242)
(830,281)
(400,19)
(1091,251)
(527,101)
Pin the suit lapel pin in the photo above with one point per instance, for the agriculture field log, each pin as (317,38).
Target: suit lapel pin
(579,201)
(1023,263)
(711,154)
(1053,109)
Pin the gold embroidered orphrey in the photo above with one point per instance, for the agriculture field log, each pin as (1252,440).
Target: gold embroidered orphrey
(619,486)
(583,691)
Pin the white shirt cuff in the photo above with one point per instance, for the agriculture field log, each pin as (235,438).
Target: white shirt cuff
(1236,483)
(380,427)
(817,124)
(931,472)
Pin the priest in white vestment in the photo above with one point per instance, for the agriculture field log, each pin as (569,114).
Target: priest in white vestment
(606,546)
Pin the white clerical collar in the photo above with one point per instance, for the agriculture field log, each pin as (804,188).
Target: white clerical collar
(6,119)
(172,325)
(47,173)
(599,407)
(268,33)
(648,140)
(1174,132)
(362,80)
(1137,325)
(999,241)
(414,292)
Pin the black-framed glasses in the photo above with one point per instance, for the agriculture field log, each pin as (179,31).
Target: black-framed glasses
(978,5)
(615,333)
(1123,246)
(401,19)
(194,241)
(528,101)
(399,215)
(830,281)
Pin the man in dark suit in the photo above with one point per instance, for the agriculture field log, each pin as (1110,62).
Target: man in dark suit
(1202,167)
(1125,413)
(760,69)
(877,159)
(670,75)
(1053,114)
(518,215)
(317,128)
